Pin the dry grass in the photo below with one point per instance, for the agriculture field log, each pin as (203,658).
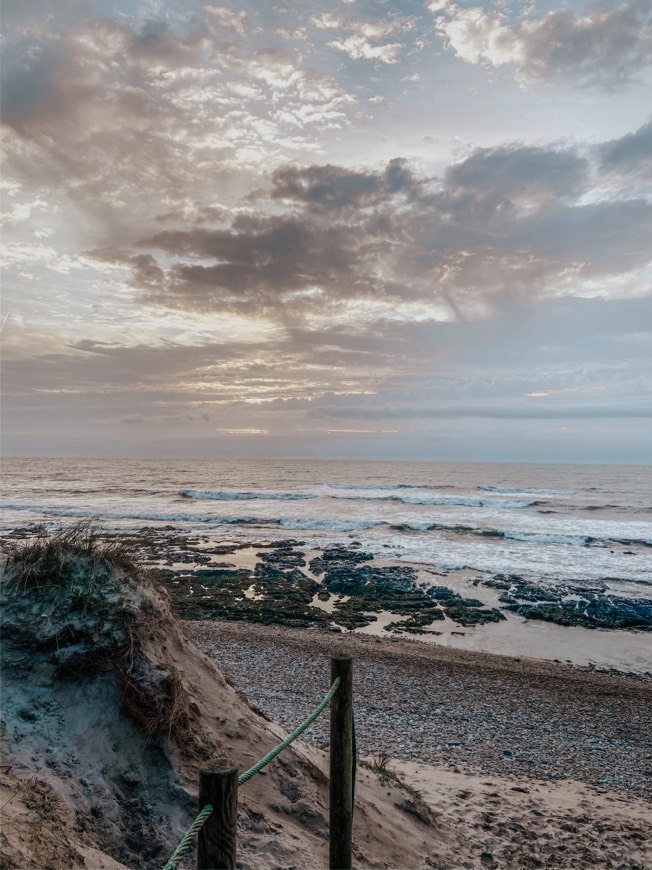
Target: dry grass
(50,557)
(98,613)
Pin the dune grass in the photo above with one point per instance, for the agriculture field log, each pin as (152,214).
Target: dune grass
(79,596)
(51,558)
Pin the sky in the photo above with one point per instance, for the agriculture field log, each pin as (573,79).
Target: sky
(357,229)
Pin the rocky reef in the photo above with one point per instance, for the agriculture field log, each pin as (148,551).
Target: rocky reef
(341,588)
(569,604)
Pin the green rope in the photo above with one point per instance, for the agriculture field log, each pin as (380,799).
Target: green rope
(297,731)
(186,843)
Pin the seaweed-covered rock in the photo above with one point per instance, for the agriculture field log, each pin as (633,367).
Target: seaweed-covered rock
(592,612)
(441,593)
(338,559)
(572,604)
(468,616)
(283,557)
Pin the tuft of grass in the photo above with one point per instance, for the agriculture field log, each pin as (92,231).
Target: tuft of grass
(75,594)
(50,558)
(380,763)
(414,804)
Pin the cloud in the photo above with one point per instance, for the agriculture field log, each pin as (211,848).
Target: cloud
(228,18)
(360,48)
(558,359)
(604,47)
(334,186)
(532,175)
(589,357)
(243,431)
(528,412)
(126,122)
(364,40)
(631,155)
(505,224)
(256,263)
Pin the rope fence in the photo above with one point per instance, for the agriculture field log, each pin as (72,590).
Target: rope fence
(188,840)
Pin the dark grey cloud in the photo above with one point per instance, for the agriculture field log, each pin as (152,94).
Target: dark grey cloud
(629,155)
(26,87)
(521,173)
(257,262)
(503,224)
(334,186)
(590,236)
(605,46)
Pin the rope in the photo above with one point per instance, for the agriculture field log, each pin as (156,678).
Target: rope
(186,843)
(291,737)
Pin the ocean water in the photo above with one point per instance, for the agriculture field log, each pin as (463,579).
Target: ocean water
(555,523)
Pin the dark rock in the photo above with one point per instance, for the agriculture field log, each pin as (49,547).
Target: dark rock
(466,616)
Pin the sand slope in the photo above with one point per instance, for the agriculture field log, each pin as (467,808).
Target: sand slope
(85,787)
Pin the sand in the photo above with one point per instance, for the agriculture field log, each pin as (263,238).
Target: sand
(525,763)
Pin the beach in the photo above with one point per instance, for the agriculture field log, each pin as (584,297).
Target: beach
(505,694)
(480,713)
(524,763)
(466,760)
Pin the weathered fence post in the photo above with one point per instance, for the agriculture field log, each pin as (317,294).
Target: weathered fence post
(217,838)
(341,766)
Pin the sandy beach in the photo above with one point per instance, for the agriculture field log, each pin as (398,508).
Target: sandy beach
(465,759)
(526,762)
(477,712)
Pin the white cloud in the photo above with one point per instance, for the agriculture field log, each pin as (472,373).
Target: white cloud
(604,47)
(359,48)
(363,40)
(228,18)
(327,21)
(243,431)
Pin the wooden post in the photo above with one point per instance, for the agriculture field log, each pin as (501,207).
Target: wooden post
(341,766)
(217,838)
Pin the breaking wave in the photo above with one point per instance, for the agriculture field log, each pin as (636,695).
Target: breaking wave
(224,495)
(525,537)
(388,493)
(166,517)
(327,525)
(550,493)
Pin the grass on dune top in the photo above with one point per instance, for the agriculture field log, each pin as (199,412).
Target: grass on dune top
(51,559)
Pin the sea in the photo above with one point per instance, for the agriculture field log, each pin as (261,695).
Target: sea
(554,523)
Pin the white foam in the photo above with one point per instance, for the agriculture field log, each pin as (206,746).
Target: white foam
(326,525)
(224,495)
(543,493)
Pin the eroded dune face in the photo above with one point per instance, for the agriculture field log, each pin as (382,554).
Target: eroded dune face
(108,714)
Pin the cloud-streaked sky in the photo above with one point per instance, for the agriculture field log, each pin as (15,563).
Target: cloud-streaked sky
(356,229)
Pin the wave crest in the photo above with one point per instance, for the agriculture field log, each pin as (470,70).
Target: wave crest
(226,495)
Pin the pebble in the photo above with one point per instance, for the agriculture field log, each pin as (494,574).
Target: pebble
(435,715)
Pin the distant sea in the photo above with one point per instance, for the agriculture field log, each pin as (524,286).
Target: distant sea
(555,523)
